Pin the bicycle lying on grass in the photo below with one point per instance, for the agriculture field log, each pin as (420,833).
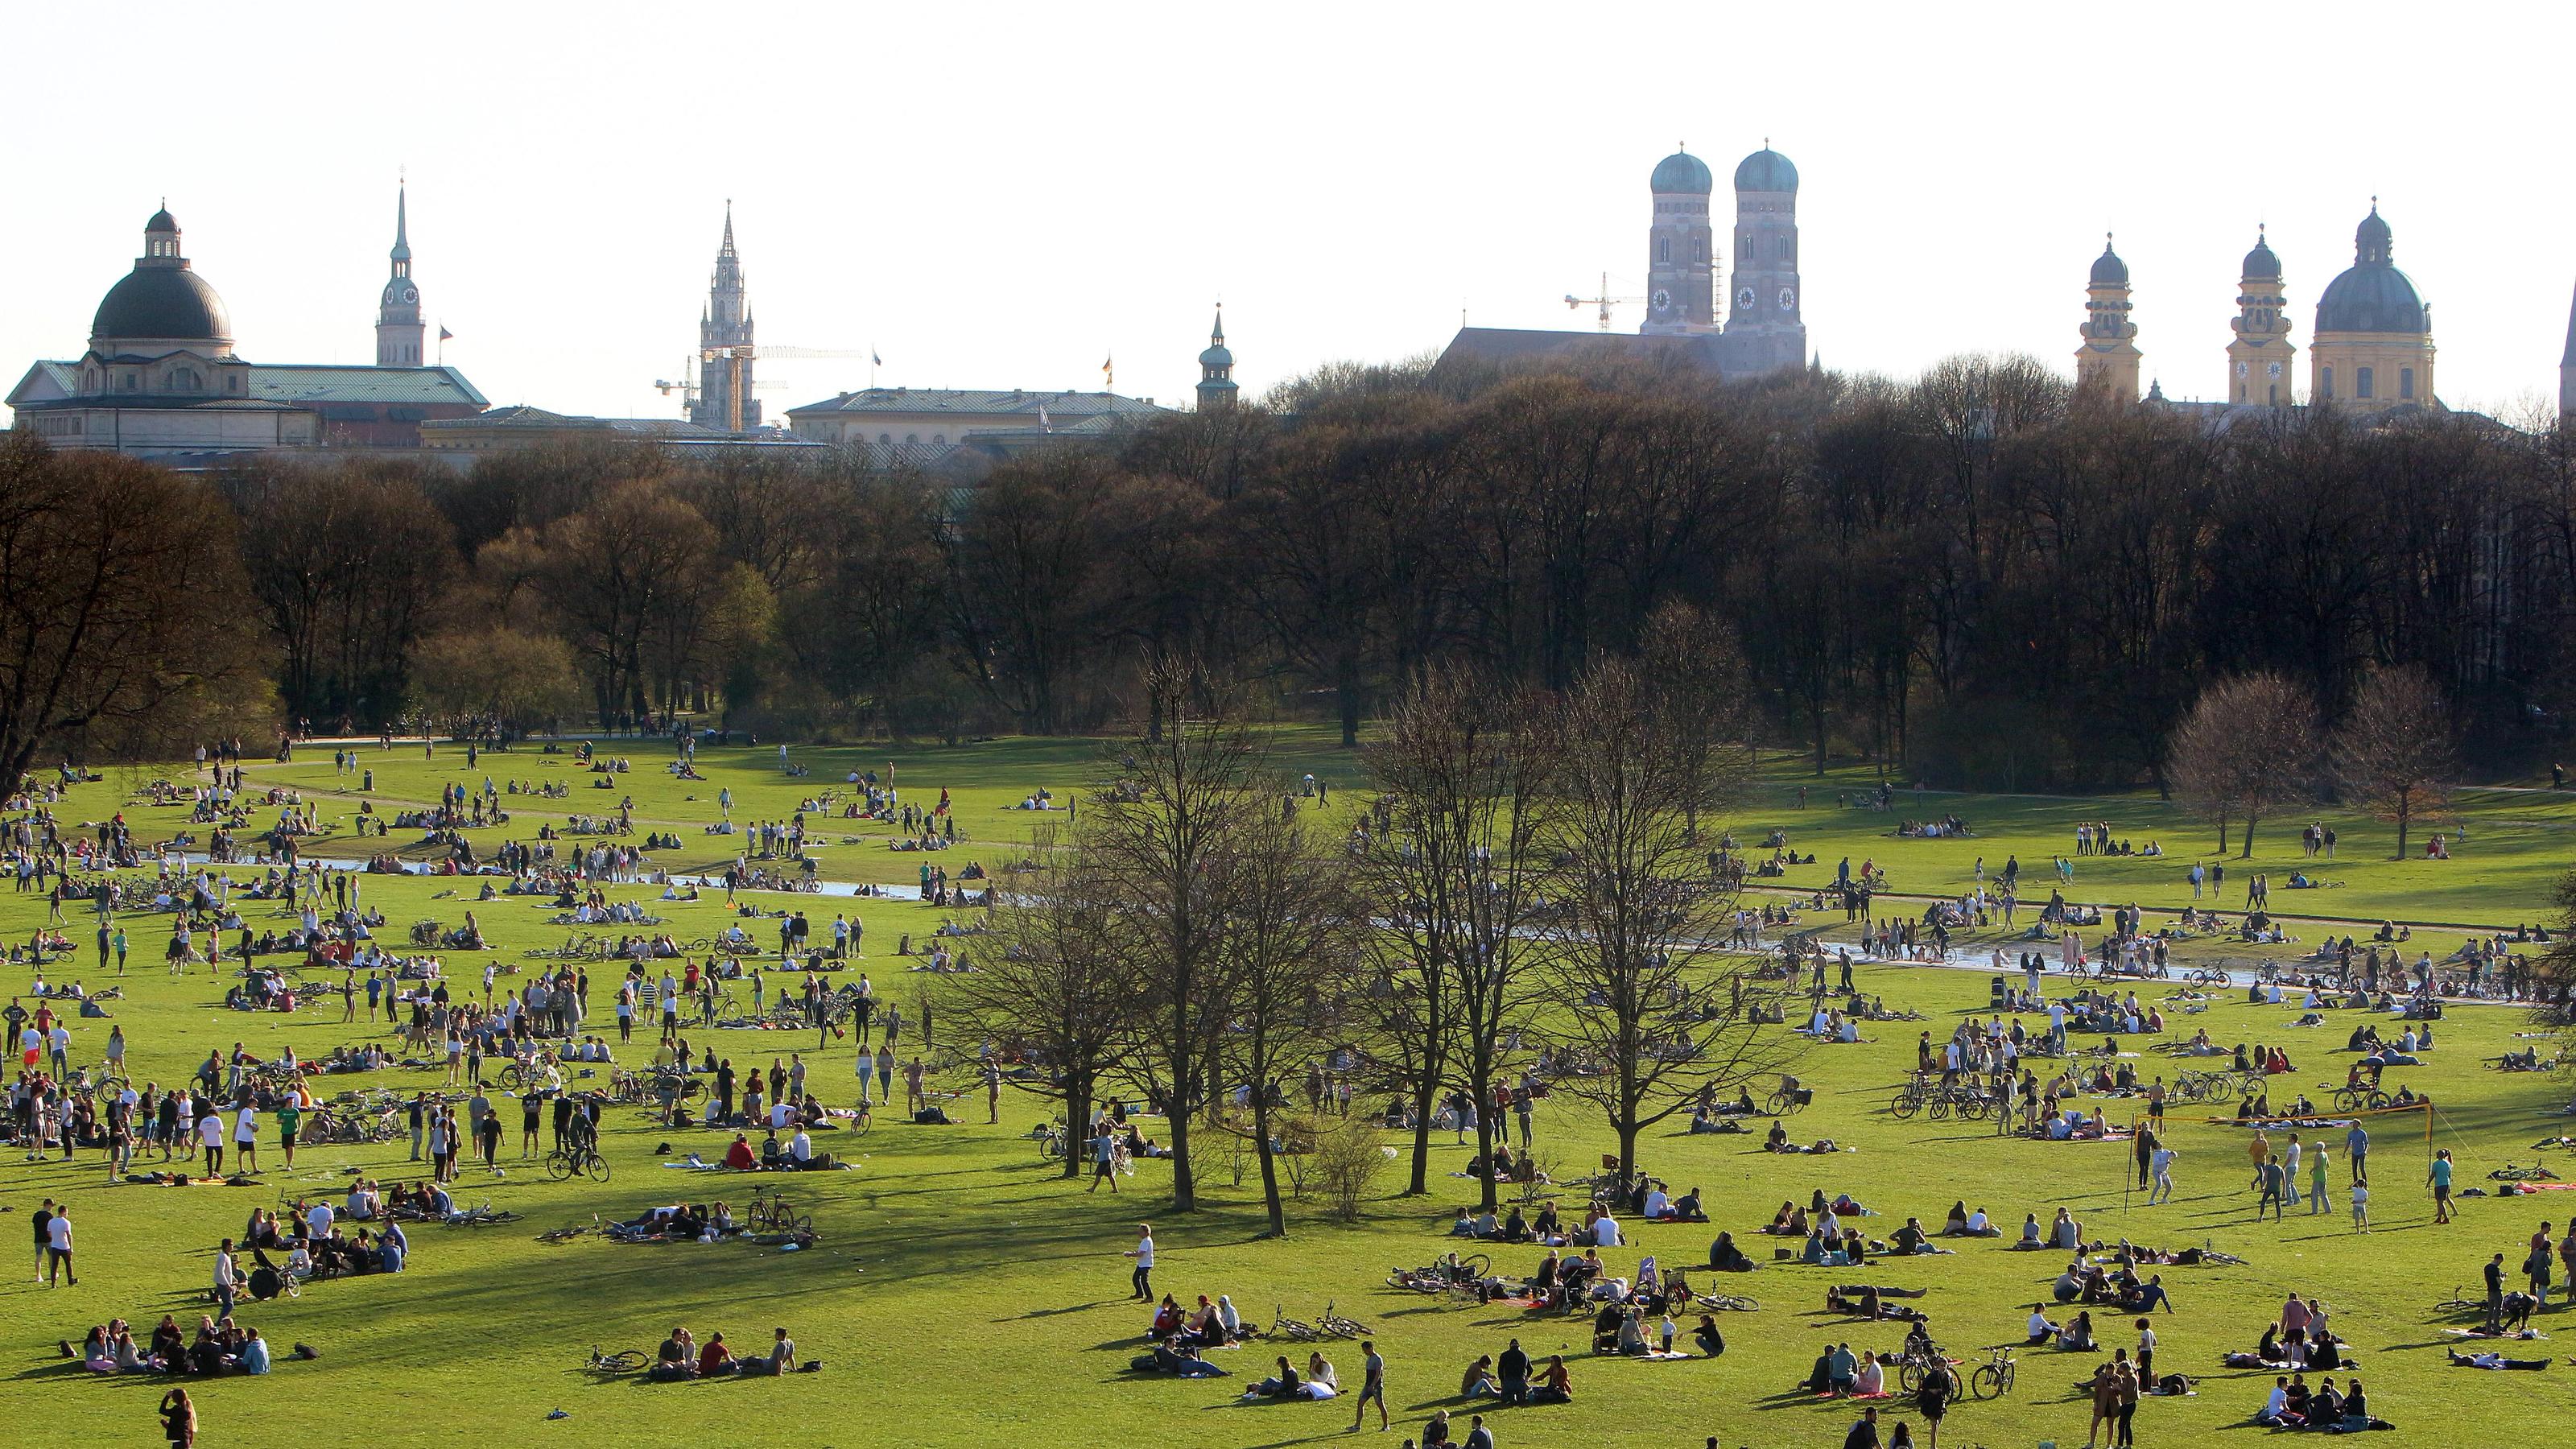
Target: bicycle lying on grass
(624,1361)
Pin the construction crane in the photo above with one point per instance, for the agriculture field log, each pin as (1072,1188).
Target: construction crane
(687,387)
(735,358)
(1604,301)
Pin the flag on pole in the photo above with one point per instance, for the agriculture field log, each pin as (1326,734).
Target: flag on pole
(443,333)
(873,359)
(1105,363)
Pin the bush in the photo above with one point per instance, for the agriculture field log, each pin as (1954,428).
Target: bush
(1346,1164)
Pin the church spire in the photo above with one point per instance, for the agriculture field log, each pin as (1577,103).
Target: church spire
(400,334)
(725,345)
(2567,369)
(1216,367)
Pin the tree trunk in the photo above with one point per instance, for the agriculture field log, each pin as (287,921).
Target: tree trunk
(1077,1117)
(2248,852)
(1423,1096)
(1269,1163)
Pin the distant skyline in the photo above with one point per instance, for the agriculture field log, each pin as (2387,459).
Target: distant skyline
(1002,197)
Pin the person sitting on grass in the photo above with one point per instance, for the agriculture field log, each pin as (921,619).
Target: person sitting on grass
(1725,1257)
(1555,1385)
(738,1157)
(715,1360)
(2040,1329)
(677,1357)
(2077,1337)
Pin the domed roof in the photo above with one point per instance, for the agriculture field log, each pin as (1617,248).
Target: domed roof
(170,302)
(2108,269)
(1216,356)
(2260,262)
(1683,173)
(2371,295)
(162,220)
(1766,170)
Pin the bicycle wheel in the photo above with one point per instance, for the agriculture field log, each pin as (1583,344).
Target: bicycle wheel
(1909,1378)
(558,1166)
(594,1166)
(859,1128)
(1986,1383)
(1939,1107)
(1903,1105)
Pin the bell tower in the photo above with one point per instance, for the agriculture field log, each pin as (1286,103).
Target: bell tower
(2259,359)
(1681,266)
(399,334)
(2109,357)
(1216,367)
(1766,330)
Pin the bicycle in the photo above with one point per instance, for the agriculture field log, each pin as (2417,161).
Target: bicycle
(567,1233)
(1340,1327)
(1728,1303)
(481,1215)
(1295,1330)
(1788,1100)
(2510,1172)
(576,1159)
(1994,1378)
(2355,1099)
(2457,1304)
(624,1361)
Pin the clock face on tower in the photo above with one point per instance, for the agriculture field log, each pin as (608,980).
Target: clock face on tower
(411,294)
(1744,299)
(1663,301)
(2273,368)
(1788,299)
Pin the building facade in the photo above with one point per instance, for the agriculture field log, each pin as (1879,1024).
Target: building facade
(161,379)
(1764,330)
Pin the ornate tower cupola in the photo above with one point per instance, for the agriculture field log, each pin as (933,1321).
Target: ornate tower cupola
(725,346)
(2109,357)
(1766,330)
(2260,359)
(1216,367)
(399,333)
(1681,264)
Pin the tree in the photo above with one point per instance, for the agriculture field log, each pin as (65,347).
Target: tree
(125,626)
(2247,749)
(1452,860)
(624,575)
(496,679)
(1286,948)
(1637,912)
(1160,834)
(2393,754)
(1054,993)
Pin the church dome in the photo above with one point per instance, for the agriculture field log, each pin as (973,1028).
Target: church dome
(1216,356)
(162,302)
(1684,174)
(2261,263)
(2371,295)
(161,299)
(1766,170)
(2108,269)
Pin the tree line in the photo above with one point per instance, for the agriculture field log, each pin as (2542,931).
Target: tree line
(1979,575)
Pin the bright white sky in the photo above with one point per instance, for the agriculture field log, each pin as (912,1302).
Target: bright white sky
(997,195)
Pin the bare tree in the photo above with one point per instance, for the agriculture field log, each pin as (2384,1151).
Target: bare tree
(123,615)
(1055,992)
(2247,749)
(1286,946)
(1160,834)
(1454,867)
(2394,753)
(1633,914)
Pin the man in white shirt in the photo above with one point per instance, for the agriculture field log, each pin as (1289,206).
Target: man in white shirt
(802,1149)
(246,1139)
(319,1220)
(210,1135)
(1605,1231)
(58,1248)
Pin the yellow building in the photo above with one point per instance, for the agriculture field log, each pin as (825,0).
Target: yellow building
(2373,346)
(2260,360)
(2109,358)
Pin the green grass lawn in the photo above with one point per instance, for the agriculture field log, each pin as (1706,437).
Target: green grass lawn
(962,1294)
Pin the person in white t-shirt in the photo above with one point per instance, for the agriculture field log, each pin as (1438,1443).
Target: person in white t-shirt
(319,1220)
(210,1135)
(246,1139)
(58,1248)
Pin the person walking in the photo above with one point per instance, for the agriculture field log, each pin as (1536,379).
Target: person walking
(58,1248)
(1372,1386)
(2162,1192)
(178,1419)
(2440,1177)
(1142,1280)
(2317,1180)
(1104,1157)
(44,1239)
(2273,1178)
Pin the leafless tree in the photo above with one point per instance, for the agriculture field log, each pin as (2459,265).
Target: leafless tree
(2393,754)
(1450,862)
(1286,944)
(1055,991)
(1633,913)
(2247,750)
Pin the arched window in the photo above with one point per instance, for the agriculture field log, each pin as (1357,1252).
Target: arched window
(2406,382)
(1699,250)
(1663,249)
(939,440)
(2361,382)
(2325,382)
(885,440)
(911,439)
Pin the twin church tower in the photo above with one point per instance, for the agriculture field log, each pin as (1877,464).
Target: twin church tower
(2372,348)
(1763,331)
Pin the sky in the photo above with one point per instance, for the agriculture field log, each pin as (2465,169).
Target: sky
(1005,195)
